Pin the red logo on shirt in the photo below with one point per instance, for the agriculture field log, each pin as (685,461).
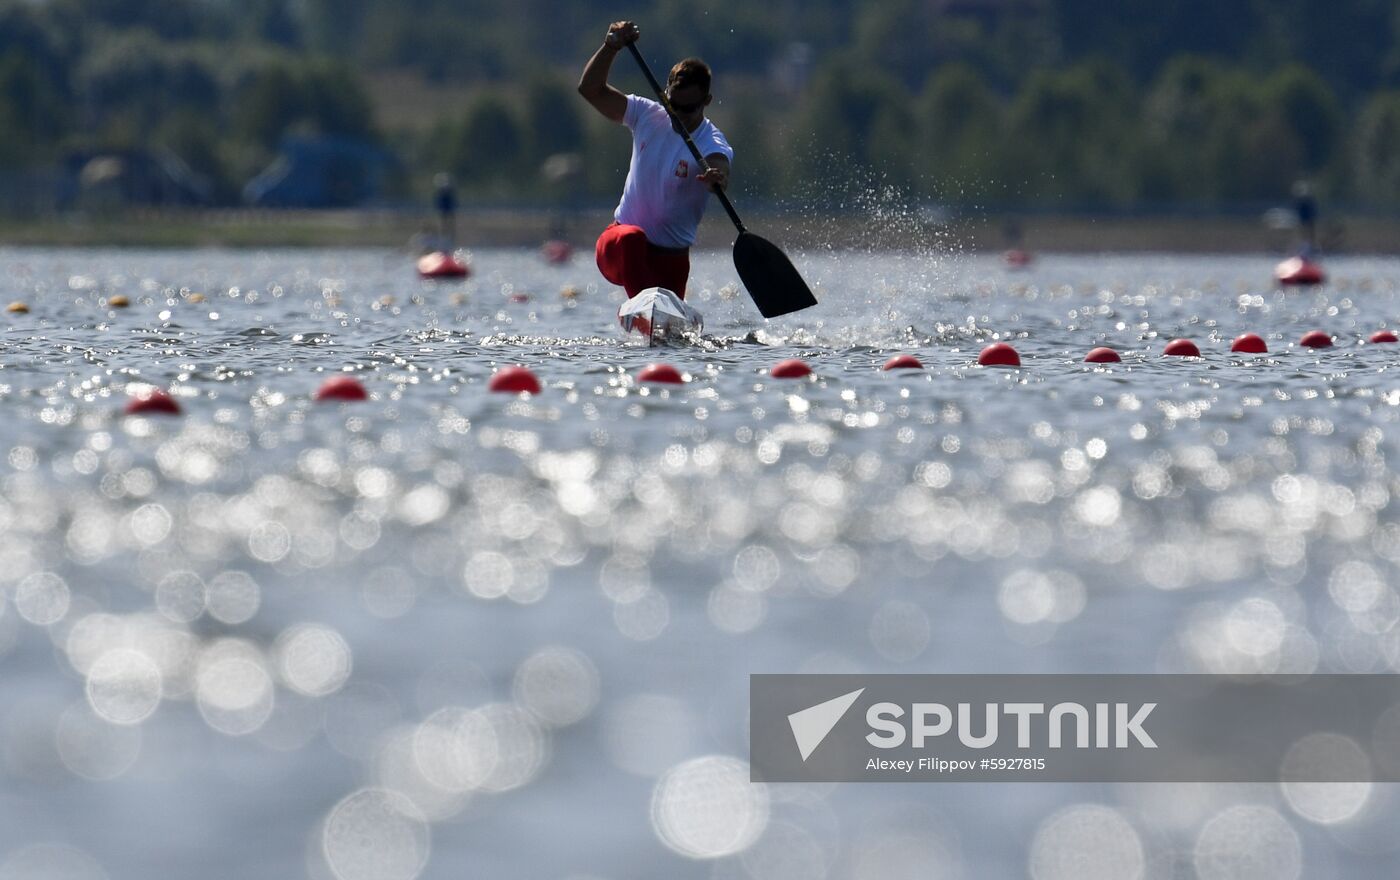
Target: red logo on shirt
(682,168)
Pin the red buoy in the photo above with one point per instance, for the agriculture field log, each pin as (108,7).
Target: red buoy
(999,354)
(1299,271)
(1384,336)
(514,380)
(790,369)
(660,373)
(1315,339)
(1102,355)
(152,401)
(903,362)
(344,388)
(520,297)
(1250,343)
(1182,348)
(1017,258)
(440,264)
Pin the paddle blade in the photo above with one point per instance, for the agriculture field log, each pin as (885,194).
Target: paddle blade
(770,277)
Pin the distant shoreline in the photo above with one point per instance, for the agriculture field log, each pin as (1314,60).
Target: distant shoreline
(1067,233)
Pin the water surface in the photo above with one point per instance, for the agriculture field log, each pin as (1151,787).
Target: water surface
(446,633)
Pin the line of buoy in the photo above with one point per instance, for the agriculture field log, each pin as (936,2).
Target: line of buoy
(790,369)
(152,401)
(999,354)
(342,388)
(1181,348)
(903,362)
(514,380)
(1249,343)
(663,373)
(522,380)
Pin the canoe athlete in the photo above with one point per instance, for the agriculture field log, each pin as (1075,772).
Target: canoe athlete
(648,244)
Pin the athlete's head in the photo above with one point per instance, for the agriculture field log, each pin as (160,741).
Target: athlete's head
(688,87)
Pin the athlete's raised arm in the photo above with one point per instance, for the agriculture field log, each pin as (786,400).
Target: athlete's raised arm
(593,84)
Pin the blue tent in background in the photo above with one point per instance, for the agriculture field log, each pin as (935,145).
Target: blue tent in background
(321,172)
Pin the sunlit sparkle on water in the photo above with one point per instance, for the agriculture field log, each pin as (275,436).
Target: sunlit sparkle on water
(418,635)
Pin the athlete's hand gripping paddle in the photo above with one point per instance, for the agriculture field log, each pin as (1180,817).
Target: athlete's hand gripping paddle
(771,279)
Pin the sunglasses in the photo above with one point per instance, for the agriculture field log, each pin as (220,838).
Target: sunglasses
(685,108)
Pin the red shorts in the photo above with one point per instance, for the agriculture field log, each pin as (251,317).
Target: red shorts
(627,259)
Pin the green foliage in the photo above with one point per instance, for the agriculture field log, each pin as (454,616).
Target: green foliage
(314,97)
(169,19)
(1222,135)
(269,21)
(1306,106)
(29,111)
(484,149)
(334,101)
(960,122)
(335,27)
(267,105)
(1052,102)
(1065,134)
(33,33)
(856,116)
(137,77)
(552,120)
(1378,147)
(441,50)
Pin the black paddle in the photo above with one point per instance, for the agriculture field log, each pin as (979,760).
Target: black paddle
(772,281)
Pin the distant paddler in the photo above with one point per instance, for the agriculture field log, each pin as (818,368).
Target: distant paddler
(445,202)
(1015,256)
(664,198)
(1305,206)
(441,260)
(1303,269)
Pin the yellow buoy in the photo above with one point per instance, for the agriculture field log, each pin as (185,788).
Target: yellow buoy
(119,302)
(19,308)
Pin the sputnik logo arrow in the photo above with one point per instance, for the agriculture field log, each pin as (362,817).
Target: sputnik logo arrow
(810,726)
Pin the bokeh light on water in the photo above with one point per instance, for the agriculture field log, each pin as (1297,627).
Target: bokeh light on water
(417,636)
(706,808)
(374,834)
(1086,841)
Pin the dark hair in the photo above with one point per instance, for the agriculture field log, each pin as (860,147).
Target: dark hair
(690,72)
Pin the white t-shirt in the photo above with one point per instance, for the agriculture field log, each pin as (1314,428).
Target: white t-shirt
(662,194)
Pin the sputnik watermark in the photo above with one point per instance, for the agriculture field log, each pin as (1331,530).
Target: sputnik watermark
(1112,728)
(888,731)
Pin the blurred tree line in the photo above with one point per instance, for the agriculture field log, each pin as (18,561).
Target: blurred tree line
(1064,103)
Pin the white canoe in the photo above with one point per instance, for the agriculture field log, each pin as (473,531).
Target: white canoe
(660,317)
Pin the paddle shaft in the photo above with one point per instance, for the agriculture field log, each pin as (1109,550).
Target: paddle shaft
(676,124)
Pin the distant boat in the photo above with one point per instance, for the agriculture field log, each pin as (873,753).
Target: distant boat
(659,316)
(1299,271)
(557,251)
(440,264)
(1017,258)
